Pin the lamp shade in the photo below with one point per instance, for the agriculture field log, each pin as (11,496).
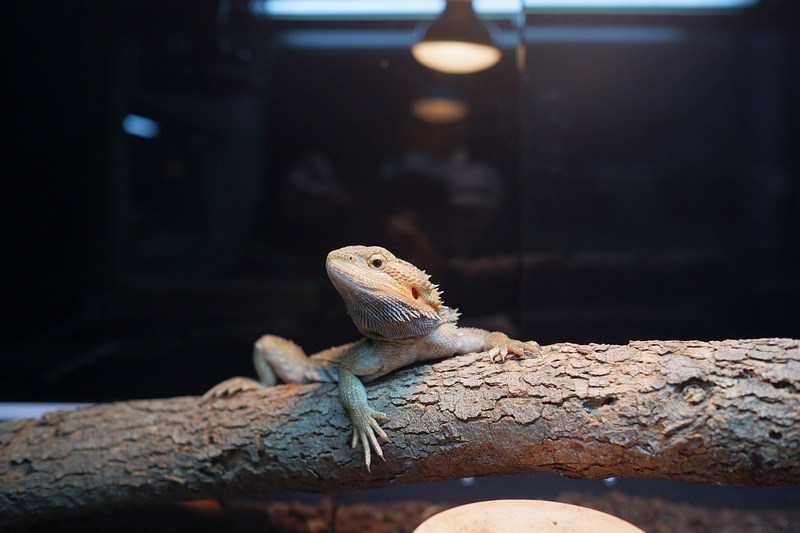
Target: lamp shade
(457,42)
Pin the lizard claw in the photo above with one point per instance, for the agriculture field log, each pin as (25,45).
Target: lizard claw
(365,429)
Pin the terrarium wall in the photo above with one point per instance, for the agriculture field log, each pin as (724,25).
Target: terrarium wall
(616,177)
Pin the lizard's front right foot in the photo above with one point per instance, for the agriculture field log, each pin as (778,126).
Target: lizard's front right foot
(230,387)
(364,418)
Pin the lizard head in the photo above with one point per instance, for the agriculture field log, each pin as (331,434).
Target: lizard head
(386,297)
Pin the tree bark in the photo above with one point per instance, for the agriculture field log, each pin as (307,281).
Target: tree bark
(709,412)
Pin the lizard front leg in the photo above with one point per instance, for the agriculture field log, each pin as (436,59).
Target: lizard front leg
(451,339)
(277,358)
(366,358)
(353,396)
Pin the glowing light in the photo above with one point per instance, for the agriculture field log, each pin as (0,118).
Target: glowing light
(361,8)
(439,110)
(16,411)
(426,8)
(455,57)
(638,4)
(141,126)
(299,8)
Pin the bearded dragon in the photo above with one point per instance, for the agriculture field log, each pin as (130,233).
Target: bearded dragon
(403,320)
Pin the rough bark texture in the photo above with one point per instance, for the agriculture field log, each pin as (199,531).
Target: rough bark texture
(709,412)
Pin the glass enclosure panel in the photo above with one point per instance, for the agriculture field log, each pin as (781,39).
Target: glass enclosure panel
(628,170)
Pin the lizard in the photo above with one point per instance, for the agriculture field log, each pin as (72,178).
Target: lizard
(403,320)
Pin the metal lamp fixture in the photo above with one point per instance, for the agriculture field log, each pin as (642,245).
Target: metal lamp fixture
(457,43)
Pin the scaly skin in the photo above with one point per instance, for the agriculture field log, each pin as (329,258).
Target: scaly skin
(403,320)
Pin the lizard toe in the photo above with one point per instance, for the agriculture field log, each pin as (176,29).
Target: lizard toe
(229,387)
(366,432)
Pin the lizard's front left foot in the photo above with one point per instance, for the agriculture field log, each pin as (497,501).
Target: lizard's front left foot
(502,346)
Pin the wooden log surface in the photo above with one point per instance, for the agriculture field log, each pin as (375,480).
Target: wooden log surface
(709,412)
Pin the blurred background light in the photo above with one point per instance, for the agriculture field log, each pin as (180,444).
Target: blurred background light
(140,126)
(19,410)
(431,8)
(440,110)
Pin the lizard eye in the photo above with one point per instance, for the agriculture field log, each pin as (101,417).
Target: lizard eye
(377,260)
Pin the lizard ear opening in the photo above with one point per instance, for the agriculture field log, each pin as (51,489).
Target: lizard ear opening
(415,292)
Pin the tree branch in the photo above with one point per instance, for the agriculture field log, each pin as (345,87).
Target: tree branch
(709,412)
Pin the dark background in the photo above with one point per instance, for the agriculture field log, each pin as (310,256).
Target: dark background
(620,177)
